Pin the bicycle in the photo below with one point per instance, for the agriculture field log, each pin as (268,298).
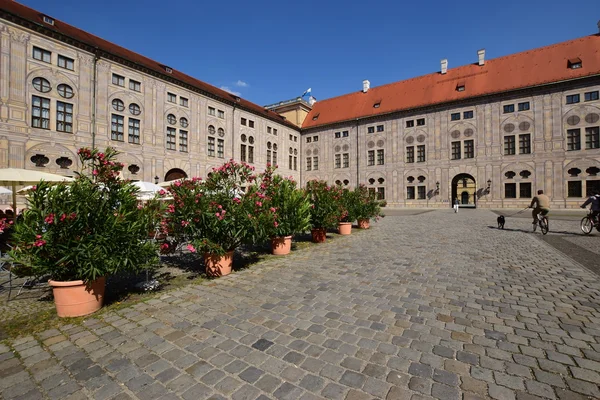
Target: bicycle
(543,223)
(588,223)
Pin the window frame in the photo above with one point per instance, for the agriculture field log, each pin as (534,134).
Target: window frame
(184,101)
(380,157)
(308,163)
(337,161)
(62,91)
(132,129)
(524,145)
(508,108)
(510,145)
(370,158)
(315,163)
(65,61)
(118,80)
(524,106)
(455,116)
(468,114)
(220,148)
(135,85)
(572,186)
(171,135)
(41,84)
(183,141)
(212,111)
(469,149)
(171,98)
(512,192)
(573,139)
(592,137)
(380,128)
(456,150)
(410,123)
(528,192)
(117,121)
(421,154)
(573,98)
(370,129)
(43,53)
(43,108)
(591,96)
(65,116)
(410,192)
(346,160)
(410,154)
(210,146)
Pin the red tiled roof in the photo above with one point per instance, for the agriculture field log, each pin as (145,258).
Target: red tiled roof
(87,39)
(517,71)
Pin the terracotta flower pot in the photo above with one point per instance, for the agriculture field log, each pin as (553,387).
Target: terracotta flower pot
(281,245)
(364,223)
(75,298)
(217,265)
(345,228)
(319,235)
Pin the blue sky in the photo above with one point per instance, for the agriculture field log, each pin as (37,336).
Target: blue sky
(272,51)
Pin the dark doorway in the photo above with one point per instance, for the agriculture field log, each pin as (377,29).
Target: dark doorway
(175,173)
(465,190)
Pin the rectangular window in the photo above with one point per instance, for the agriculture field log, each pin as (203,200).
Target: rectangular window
(269,130)
(379,128)
(410,154)
(592,187)
(469,148)
(380,157)
(183,141)
(338,135)
(456,150)
(251,154)
(118,80)
(380,193)
(421,153)
(221,114)
(454,116)
(345,134)
(525,190)
(572,99)
(117,127)
(220,148)
(243,153)
(291,137)
(250,123)
(69,63)
(290,162)
(308,139)
(574,189)
(64,117)
(573,139)
(211,146)
(410,192)
(592,136)
(268,156)
(134,131)
(371,157)
(135,85)
(371,129)
(275,133)
(309,163)
(295,163)
(42,55)
(338,161)
(523,106)
(421,192)
(211,111)
(346,160)
(183,101)
(508,108)
(316,163)
(525,144)
(509,145)
(510,190)
(591,96)
(421,122)
(171,98)
(243,121)
(315,138)
(410,123)
(274,158)
(171,139)
(468,115)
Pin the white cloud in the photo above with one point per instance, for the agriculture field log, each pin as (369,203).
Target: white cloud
(225,88)
(241,83)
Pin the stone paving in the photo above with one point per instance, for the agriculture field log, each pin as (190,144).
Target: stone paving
(436,305)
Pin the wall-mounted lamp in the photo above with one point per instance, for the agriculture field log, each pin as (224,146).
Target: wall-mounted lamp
(489,182)
(437,187)
(156,179)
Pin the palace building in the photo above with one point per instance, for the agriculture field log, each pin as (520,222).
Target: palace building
(490,133)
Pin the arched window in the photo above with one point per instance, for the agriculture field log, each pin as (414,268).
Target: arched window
(183,122)
(134,109)
(211,130)
(221,132)
(65,91)
(118,105)
(171,119)
(42,85)
(243,137)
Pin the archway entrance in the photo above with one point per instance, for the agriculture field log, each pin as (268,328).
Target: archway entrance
(175,173)
(465,190)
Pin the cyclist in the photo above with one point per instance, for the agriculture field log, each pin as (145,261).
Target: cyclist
(540,205)
(595,201)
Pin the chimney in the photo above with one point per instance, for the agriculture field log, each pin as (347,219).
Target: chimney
(481,55)
(598,26)
(444,65)
(366,85)
(312,101)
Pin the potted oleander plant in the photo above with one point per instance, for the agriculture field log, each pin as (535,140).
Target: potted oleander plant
(347,202)
(285,209)
(324,208)
(81,232)
(367,206)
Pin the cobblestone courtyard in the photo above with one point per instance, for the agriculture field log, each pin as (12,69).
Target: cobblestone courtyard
(435,305)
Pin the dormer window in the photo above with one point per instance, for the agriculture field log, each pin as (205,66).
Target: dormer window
(574,63)
(48,20)
(168,70)
(460,87)
(377,104)
(316,117)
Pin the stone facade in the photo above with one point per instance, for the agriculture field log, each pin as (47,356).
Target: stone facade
(543,114)
(134,112)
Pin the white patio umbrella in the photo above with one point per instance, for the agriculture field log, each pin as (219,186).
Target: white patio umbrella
(4,190)
(148,190)
(18,177)
(169,183)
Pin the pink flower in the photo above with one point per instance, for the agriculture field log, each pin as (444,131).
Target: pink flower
(273,209)
(164,246)
(73,215)
(34,187)
(276,224)
(39,243)
(259,204)
(184,223)
(191,248)
(95,172)
(178,183)
(219,206)
(171,208)
(38,236)
(217,214)
(49,219)
(162,192)
(139,207)
(63,217)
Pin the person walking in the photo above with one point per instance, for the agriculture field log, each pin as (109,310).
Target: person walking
(456,203)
